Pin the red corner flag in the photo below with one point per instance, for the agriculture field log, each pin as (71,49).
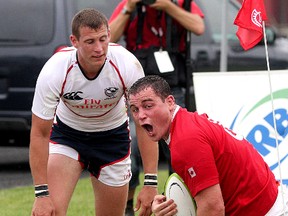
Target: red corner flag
(249,22)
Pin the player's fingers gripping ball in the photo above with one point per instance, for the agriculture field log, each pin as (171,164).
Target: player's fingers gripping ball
(176,189)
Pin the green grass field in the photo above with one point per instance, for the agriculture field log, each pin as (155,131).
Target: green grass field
(18,201)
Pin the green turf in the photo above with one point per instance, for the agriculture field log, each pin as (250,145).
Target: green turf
(18,201)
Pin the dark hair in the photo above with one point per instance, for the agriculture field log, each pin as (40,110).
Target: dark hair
(88,17)
(156,83)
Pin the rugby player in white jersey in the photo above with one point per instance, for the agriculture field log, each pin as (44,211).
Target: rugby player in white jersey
(80,121)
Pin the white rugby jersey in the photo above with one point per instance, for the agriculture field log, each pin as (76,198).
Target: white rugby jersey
(83,104)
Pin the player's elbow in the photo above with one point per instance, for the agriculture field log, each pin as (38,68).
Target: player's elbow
(215,210)
(219,209)
(210,201)
(200,29)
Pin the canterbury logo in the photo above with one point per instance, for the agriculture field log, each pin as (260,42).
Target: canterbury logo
(73,95)
(256,18)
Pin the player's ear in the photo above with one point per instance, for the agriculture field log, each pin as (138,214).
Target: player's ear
(73,40)
(170,100)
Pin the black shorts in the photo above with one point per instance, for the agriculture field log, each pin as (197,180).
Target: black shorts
(97,150)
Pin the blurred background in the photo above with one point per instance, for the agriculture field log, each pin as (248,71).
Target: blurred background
(31,31)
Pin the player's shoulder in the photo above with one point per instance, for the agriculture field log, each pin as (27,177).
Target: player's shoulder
(118,51)
(60,61)
(115,46)
(65,52)
(64,55)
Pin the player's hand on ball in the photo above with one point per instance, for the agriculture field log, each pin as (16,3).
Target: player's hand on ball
(161,206)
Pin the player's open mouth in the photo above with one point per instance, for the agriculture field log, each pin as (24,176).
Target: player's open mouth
(148,128)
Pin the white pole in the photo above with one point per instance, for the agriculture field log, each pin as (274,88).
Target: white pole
(223,56)
(273,111)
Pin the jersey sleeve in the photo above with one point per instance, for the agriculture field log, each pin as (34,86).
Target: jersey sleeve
(193,154)
(48,88)
(200,166)
(196,10)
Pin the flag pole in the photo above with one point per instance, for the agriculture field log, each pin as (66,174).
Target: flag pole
(273,112)
(224,41)
(266,48)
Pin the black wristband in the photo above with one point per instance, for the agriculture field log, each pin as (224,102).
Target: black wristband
(41,190)
(41,187)
(152,184)
(42,194)
(151,177)
(150,180)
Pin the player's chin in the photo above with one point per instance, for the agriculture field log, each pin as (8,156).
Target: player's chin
(154,137)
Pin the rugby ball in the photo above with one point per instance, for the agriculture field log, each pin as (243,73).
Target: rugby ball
(176,189)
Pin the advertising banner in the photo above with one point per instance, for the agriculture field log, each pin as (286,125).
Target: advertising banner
(252,104)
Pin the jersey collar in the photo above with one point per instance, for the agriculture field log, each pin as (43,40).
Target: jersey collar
(175,111)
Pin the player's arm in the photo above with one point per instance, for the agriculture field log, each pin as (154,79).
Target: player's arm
(38,158)
(191,21)
(210,202)
(149,155)
(118,23)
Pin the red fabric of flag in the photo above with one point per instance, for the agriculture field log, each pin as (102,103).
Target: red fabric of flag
(249,21)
